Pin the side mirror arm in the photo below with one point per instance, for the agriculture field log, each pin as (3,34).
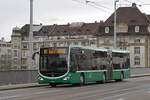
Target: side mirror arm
(33,55)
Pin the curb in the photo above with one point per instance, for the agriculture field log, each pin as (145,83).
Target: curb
(13,87)
(139,75)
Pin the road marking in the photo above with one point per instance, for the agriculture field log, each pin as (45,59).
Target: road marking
(123,94)
(109,91)
(43,92)
(26,95)
(120,99)
(109,97)
(9,97)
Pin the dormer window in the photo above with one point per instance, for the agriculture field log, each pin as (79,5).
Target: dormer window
(106,29)
(137,28)
(122,28)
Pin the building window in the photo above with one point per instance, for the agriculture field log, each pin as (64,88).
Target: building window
(107,47)
(15,61)
(15,53)
(122,28)
(9,50)
(136,61)
(22,38)
(15,45)
(15,38)
(83,43)
(123,48)
(61,44)
(75,43)
(24,61)
(106,29)
(24,46)
(137,40)
(9,56)
(136,50)
(3,45)
(8,45)
(34,45)
(106,40)
(92,43)
(137,28)
(24,54)
(54,44)
(68,43)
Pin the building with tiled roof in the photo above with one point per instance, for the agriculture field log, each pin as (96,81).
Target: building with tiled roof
(77,33)
(133,30)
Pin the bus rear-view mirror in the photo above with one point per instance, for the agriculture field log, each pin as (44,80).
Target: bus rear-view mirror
(33,55)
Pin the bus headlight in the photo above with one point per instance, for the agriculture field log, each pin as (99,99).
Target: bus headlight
(66,78)
(41,79)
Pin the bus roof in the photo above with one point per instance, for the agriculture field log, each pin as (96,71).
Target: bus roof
(88,47)
(99,49)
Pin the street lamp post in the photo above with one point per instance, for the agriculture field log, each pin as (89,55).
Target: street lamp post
(115,34)
(31,36)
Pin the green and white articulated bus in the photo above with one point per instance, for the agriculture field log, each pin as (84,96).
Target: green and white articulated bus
(82,64)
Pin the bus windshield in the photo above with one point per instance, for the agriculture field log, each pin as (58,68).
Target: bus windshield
(53,63)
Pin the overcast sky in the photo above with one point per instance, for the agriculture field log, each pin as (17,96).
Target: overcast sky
(16,12)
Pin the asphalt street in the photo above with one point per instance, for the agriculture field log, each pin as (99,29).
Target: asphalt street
(129,89)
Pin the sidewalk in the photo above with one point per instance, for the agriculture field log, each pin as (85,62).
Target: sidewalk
(31,85)
(20,86)
(139,75)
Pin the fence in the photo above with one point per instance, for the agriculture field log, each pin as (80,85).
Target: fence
(30,76)
(18,76)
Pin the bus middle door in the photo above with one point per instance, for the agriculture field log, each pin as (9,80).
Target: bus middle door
(110,65)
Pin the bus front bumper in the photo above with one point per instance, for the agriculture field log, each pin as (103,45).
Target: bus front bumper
(62,80)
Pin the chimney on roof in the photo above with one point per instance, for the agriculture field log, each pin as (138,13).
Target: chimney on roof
(101,22)
(95,21)
(133,5)
(40,24)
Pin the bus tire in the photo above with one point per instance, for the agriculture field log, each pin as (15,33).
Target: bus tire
(52,84)
(81,80)
(121,77)
(104,78)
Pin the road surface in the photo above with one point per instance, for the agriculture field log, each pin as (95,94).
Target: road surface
(129,89)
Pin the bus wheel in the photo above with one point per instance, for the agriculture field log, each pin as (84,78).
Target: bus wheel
(104,78)
(81,80)
(52,84)
(121,77)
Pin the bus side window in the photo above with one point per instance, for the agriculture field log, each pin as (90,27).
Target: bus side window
(116,60)
(72,63)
